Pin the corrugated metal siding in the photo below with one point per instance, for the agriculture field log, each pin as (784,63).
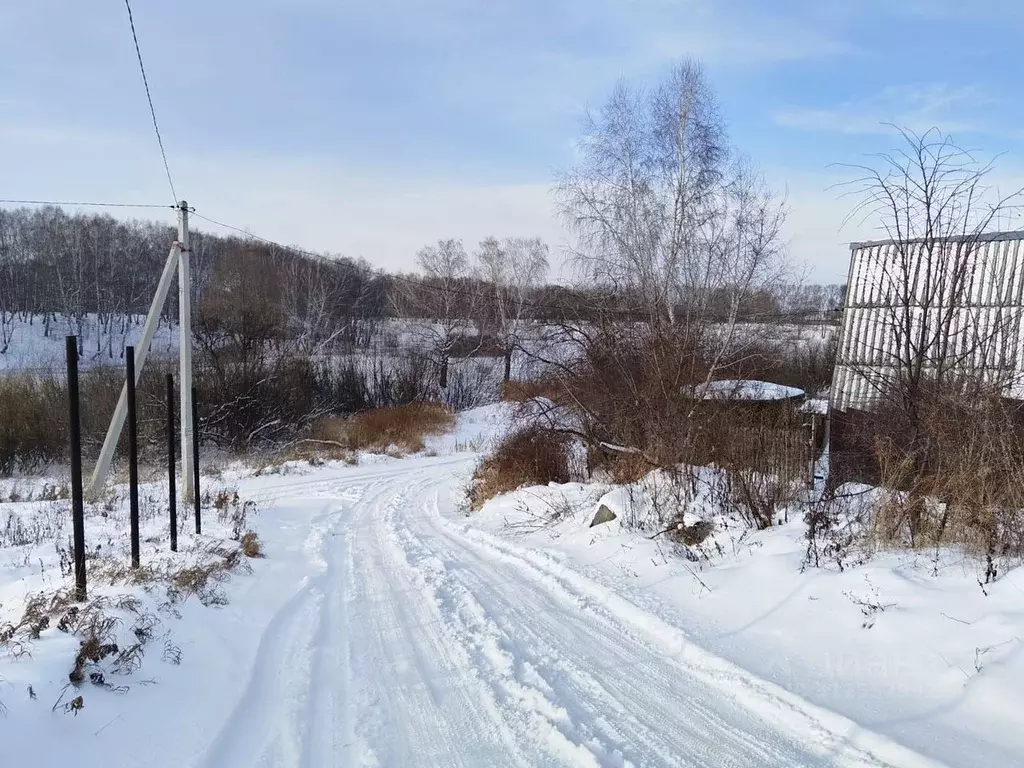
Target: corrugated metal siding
(985,329)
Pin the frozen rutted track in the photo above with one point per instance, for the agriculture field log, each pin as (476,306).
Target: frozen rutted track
(417,640)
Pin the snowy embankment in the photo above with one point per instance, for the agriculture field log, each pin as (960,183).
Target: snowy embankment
(903,644)
(384,627)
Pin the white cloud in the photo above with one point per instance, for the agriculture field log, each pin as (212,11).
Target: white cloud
(954,109)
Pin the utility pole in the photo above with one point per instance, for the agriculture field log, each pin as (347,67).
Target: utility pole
(185,351)
(99,474)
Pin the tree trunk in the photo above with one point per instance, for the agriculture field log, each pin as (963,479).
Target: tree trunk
(444,372)
(508,364)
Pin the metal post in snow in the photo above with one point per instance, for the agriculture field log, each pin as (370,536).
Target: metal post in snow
(195,459)
(188,490)
(133,455)
(77,495)
(171,485)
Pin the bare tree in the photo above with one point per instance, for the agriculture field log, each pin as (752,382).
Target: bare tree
(9,256)
(665,211)
(652,163)
(443,299)
(512,269)
(670,217)
(934,303)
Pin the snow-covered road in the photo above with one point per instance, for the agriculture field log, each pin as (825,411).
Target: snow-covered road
(417,640)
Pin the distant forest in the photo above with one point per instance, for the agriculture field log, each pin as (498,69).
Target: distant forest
(59,269)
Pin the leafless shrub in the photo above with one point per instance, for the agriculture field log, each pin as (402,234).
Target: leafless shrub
(953,477)
(14,532)
(145,627)
(31,428)
(224,499)
(99,641)
(529,456)
(30,528)
(521,390)
(203,579)
(171,653)
(129,660)
(835,528)
(759,498)
(870,605)
(129,604)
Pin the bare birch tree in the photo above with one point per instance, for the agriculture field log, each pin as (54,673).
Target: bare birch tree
(668,215)
(651,164)
(512,269)
(443,300)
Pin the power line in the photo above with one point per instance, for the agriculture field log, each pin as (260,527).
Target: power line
(149,98)
(95,205)
(247,233)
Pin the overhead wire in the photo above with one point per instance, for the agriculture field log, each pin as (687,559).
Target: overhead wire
(81,203)
(149,98)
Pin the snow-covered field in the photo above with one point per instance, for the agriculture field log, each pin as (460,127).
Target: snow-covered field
(31,348)
(384,627)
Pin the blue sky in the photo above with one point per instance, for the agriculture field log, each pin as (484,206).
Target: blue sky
(372,128)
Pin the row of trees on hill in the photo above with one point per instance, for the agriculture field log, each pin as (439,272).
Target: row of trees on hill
(94,276)
(68,270)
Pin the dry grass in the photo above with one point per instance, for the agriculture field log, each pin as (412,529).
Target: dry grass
(251,545)
(529,456)
(952,477)
(521,390)
(402,427)
(31,429)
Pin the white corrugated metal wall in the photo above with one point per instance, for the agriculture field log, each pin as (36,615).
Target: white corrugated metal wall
(888,288)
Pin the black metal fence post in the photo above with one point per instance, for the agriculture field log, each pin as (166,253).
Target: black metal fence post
(77,495)
(195,460)
(172,491)
(133,454)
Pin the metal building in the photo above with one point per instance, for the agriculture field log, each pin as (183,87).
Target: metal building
(953,303)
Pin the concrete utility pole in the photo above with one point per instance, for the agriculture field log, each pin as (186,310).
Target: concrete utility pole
(177,259)
(185,351)
(99,475)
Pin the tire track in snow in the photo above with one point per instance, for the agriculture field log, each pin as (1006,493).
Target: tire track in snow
(330,738)
(418,707)
(526,698)
(528,649)
(423,642)
(773,727)
(264,729)
(267,726)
